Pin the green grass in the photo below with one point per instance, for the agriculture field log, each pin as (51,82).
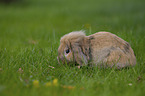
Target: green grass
(29,37)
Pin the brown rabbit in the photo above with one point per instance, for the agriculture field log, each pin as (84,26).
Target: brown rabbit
(102,49)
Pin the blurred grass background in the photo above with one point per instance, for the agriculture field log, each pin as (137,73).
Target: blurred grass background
(30,31)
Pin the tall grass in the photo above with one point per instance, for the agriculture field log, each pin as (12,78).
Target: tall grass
(29,37)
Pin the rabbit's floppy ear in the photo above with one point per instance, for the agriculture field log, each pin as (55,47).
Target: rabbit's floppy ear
(79,55)
(79,46)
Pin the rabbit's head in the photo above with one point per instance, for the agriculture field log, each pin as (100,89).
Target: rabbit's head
(73,48)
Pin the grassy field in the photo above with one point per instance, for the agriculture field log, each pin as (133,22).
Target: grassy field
(29,37)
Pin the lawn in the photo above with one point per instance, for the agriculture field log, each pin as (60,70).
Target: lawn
(29,38)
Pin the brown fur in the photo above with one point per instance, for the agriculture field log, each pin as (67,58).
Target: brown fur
(102,49)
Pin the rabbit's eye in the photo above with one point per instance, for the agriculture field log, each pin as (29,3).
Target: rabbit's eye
(67,51)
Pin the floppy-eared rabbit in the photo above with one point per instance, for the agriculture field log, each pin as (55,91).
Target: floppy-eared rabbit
(102,49)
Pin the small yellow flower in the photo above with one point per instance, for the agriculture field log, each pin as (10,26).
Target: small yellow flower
(36,83)
(48,84)
(55,82)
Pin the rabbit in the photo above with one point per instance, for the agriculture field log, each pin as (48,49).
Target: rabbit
(102,49)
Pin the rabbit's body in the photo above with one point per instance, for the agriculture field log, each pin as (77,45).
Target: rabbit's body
(110,50)
(102,49)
